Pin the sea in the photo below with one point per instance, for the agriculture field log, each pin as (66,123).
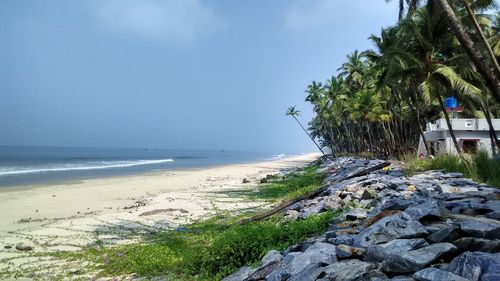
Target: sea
(25,166)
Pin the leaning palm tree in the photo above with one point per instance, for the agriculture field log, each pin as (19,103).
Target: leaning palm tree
(294,113)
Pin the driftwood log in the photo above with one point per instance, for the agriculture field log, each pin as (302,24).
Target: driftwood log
(313,194)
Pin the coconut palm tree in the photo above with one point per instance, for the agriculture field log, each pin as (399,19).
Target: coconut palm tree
(294,113)
(470,47)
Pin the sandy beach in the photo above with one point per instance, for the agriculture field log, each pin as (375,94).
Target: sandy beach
(114,210)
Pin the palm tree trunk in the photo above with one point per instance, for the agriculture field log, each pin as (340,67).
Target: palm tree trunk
(448,122)
(300,124)
(414,107)
(472,17)
(493,135)
(401,9)
(492,80)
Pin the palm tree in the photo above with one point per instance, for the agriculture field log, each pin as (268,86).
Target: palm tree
(412,7)
(474,53)
(479,30)
(294,113)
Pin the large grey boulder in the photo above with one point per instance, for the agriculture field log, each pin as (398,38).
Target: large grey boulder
(346,251)
(350,270)
(389,228)
(467,205)
(481,229)
(377,253)
(446,234)
(435,274)
(415,260)
(317,253)
(345,239)
(476,266)
(271,256)
(427,209)
(241,274)
(396,204)
(477,244)
(309,273)
(264,271)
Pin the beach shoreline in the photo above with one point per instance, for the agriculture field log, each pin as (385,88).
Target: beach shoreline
(74,215)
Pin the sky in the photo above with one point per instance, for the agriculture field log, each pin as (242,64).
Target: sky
(178,74)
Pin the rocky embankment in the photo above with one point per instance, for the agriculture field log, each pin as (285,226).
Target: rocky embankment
(431,226)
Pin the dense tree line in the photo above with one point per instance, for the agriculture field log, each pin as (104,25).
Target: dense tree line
(381,99)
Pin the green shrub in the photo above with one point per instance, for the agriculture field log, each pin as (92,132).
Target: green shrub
(480,166)
(290,186)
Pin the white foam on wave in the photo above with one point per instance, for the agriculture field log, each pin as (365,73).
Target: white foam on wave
(278,156)
(75,167)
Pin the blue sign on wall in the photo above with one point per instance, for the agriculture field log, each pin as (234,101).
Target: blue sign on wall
(450,102)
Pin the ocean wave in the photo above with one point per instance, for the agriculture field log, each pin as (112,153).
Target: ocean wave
(75,167)
(278,156)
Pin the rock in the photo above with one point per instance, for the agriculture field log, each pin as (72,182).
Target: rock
(414,260)
(241,274)
(444,235)
(434,274)
(345,239)
(7,247)
(427,209)
(389,228)
(477,244)
(313,210)
(264,271)
(332,204)
(271,256)
(368,194)
(355,214)
(494,206)
(402,278)
(263,180)
(299,247)
(292,214)
(23,247)
(476,266)
(396,204)
(349,270)
(280,274)
(396,173)
(467,204)
(494,215)
(330,234)
(346,251)
(309,273)
(452,175)
(377,253)
(317,253)
(481,229)
(245,180)
(448,188)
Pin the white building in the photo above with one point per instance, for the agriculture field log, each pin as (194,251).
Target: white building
(471,134)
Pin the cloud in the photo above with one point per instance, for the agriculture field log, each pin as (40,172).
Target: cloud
(304,15)
(184,19)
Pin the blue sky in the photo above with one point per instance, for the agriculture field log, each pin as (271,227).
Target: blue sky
(186,74)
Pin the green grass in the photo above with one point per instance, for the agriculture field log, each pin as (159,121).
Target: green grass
(480,166)
(204,251)
(290,186)
(214,248)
